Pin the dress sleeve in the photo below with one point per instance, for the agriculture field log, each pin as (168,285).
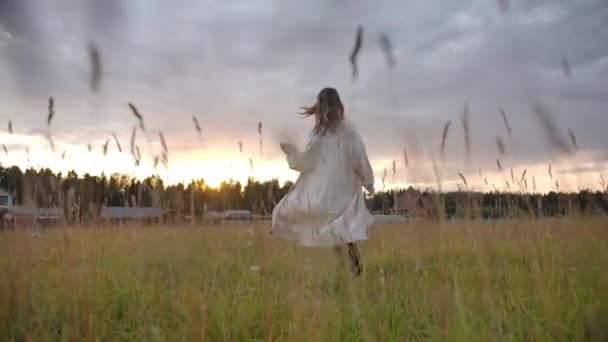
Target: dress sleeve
(362,166)
(305,161)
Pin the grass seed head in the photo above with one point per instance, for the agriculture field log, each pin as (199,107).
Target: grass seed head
(355,52)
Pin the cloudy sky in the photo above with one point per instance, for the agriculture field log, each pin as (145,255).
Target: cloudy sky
(233,64)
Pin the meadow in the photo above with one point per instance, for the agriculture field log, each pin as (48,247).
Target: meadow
(512,280)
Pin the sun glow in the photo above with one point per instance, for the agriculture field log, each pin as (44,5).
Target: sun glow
(213,166)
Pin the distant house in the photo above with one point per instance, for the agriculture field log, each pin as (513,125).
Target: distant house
(213,216)
(131,213)
(7,200)
(228,216)
(21,215)
(238,215)
(16,214)
(413,203)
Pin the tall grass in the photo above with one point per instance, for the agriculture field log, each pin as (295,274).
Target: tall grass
(463,280)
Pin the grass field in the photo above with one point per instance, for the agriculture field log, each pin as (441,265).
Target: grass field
(513,280)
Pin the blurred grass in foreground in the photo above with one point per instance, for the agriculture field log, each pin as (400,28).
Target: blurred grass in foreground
(463,280)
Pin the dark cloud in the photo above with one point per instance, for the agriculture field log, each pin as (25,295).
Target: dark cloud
(584,169)
(14,16)
(233,64)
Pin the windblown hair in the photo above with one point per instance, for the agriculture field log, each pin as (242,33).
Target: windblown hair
(328,111)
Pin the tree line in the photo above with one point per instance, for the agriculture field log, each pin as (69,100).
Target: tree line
(86,194)
(464,204)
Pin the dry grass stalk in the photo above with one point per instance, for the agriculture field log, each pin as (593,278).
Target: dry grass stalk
(523,175)
(163,142)
(557,185)
(105,147)
(96,67)
(27,191)
(197,126)
(5,149)
(508,185)
(133,136)
(444,136)
(117,142)
(240,143)
(534,183)
(467,130)
(501,146)
(260,137)
(89,148)
(550,173)
(251,164)
(405,158)
(137,115)
(156,161)
(137,156)
(387,48)
(503,5)
(550,128)
(504,119)
(164,159)
(49,139)
(355,52)
(498,163)
(602,182)
(464,180)
(384,179)
(436,173)
(10,127)
(566,66)
(51,111)
(572,139)
(512,177)
(485,180)
(394,168)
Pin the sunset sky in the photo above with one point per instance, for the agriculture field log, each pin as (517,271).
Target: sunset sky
(233,64)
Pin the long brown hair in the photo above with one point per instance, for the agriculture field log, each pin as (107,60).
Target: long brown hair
(328,111)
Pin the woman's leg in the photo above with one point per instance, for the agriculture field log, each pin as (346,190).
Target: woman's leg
(355,258)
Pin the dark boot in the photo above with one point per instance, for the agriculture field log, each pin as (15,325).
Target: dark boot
(355,259)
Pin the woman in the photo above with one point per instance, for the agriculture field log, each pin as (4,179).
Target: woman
(326,207)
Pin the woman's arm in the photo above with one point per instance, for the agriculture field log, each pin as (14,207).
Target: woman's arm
(303,161)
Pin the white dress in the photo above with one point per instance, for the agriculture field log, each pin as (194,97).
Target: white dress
(326,206)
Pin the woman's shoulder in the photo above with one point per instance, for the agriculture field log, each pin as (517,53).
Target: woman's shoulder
(345,126)
(344,129)
(349,129)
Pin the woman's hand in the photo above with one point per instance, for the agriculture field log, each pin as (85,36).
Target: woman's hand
(288,148)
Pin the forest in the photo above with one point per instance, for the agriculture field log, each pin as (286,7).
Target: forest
(86,194)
